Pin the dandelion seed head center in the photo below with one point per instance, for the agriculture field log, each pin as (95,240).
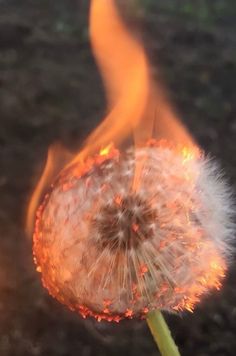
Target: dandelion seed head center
(126,222)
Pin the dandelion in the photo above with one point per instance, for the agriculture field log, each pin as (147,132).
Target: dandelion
(126,233)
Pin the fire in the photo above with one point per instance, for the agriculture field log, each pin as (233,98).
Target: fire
(56,159)
(137,107)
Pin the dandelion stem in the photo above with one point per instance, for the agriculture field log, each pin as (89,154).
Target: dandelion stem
(161,334)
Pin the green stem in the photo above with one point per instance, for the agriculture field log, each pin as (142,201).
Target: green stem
(161,334)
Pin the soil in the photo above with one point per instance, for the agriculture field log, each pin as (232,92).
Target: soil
(50,90)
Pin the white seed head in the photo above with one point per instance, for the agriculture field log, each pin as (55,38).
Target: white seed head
(124,234)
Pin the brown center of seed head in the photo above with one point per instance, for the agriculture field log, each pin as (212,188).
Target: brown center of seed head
(125,223)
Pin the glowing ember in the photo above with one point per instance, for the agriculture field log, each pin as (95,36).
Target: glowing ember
(112,252)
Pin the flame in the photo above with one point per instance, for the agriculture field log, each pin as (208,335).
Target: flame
(125,72)
(57,157)
(136,105)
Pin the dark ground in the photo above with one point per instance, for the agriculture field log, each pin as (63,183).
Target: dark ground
(50,90)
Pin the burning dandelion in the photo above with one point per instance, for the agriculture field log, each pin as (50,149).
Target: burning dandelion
(110,251)
(121,234)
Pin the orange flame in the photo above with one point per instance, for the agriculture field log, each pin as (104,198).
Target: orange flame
(136,104)
(56,159)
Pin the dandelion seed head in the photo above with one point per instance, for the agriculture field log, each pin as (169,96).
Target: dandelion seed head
(112,249)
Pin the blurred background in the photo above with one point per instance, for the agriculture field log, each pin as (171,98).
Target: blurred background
(50,90)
